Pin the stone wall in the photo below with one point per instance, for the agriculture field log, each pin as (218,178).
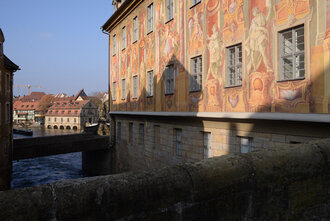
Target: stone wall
(287,183)
(159,150)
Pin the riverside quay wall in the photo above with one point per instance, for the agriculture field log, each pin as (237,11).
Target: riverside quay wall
(287,183)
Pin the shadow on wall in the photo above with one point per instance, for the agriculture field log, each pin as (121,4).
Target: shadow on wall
(170,92)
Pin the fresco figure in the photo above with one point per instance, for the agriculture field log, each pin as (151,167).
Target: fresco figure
(256,42)
(214,49)
(196,33)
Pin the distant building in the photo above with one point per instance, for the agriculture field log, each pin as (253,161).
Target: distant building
(25,112)
(7,68)
(26,109)
(71,113)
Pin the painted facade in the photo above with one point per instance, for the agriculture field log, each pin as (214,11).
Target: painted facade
(209,29)
(7,68)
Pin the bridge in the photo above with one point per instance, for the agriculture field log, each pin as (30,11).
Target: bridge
(94,148)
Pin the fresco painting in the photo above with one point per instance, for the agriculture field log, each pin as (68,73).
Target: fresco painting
(233,100)
(150,50)
(233,28)
(290,94)
(260,91)
(195,29)
(212,100)
(208,35)
(291,10)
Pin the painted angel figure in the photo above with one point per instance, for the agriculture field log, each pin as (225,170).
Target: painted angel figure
(257,40)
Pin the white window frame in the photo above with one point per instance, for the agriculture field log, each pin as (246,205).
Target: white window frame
(150,18)
(123,38)
(178,141)
(207,138)
(196,74)
(295,70)
(234,63)
(169,79)
(135,86)
(169,10)
(150,86)
(123,89)
(246,144)
(135,29)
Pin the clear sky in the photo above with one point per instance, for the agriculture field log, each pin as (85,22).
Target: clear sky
(57,44)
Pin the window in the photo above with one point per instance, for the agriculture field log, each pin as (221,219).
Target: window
(114,91)
(130,132)
(141,134)
(150,87)
(195,2)
(150,18)
(234,65)
(135,29)
(48,119)
(246,144)
(123,89)
(135,86)
(196,74)
(7,87)
(156,136)
(123,38)
(206,144)
(7,113)
(55,119)
(292,54)
(114,44)
(74,120)
(169,9)
(169,81)
(61,120)
(119,131)
(67,119)
(178,141)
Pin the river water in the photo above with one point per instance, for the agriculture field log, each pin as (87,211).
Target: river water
(43,170)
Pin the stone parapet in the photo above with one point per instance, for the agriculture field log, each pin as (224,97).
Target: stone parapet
(290,182)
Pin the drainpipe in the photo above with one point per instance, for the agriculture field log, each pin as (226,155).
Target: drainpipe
(112,120)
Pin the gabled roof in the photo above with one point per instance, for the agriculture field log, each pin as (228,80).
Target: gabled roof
(10,65)
(81,94)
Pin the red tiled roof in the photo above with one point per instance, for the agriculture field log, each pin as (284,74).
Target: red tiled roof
(25,105)
(68,107)
(33,96)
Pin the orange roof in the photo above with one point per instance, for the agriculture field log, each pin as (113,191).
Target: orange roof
(33,96)
(25,105)
(67,107)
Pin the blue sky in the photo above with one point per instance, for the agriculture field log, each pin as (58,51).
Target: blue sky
(58,44)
